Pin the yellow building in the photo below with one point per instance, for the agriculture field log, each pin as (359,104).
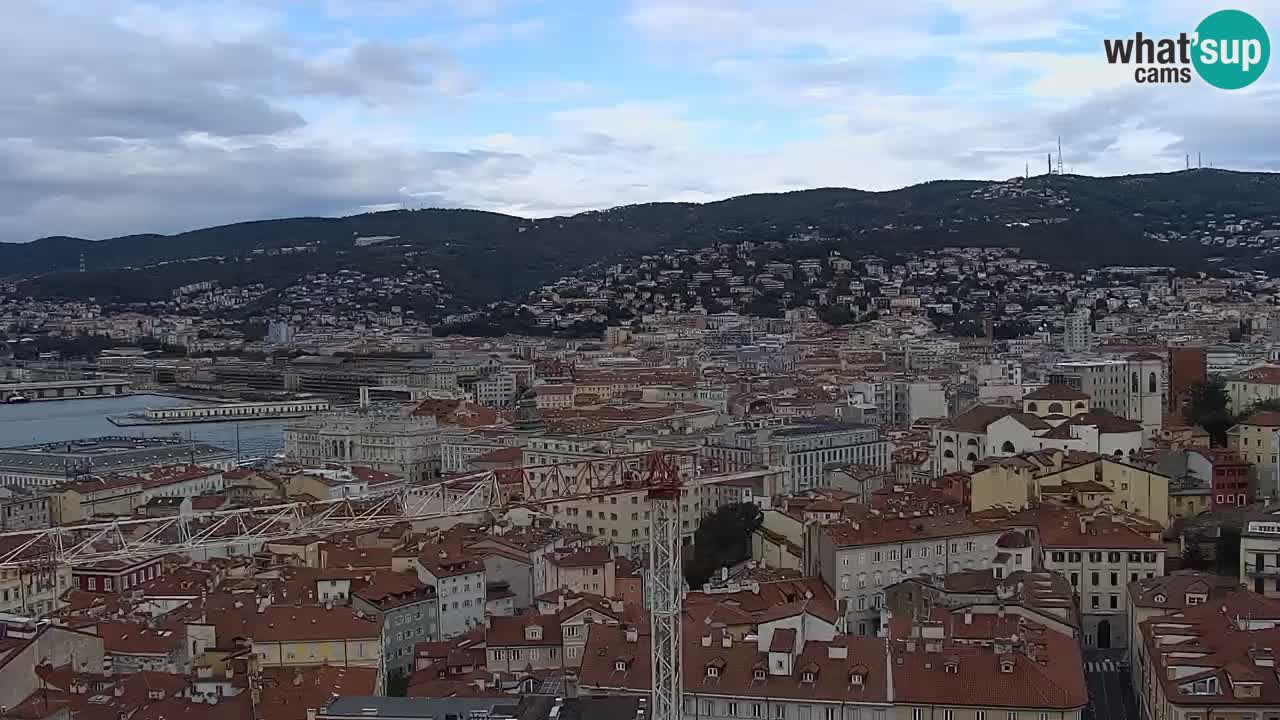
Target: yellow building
(1129,487)
(1189,503)
(306,635)
(1022,479)
(1053,400)
(1005,481)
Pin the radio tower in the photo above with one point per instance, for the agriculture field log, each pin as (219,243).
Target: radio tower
(81,262)
(1059,154)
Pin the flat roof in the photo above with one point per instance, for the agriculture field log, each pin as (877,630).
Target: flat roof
(107,453)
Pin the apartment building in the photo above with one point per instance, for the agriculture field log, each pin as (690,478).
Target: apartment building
(583,570)
(1252,386)
(1101,554)
(23,509)
(459,579)
(1260,554)
(924,670)
(520,559)
(410,613)
(860,559)
(515,644)
(130,647)
(1256,439)
(308,635)
(803,450)
(120,495)
(1210,660)
(1089,479)
(621,518)
(1158,596)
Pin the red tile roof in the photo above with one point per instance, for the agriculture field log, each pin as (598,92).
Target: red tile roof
(511,631)
(832,664)
(306,623)
(287,693)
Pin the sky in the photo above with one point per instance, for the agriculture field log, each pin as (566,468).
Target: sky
(128,116)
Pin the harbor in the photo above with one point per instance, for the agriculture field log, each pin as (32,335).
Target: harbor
(32,423)
(221,413)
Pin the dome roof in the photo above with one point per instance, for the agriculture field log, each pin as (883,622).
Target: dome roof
(1014,539)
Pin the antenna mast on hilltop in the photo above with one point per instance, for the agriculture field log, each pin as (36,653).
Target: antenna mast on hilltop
(1059,154)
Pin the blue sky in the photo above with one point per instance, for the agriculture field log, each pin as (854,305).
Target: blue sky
(147,116)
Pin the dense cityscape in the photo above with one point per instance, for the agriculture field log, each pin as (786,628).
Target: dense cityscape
(860,477)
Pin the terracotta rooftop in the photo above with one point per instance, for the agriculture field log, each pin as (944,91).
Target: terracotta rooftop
(849,669)
(306,623)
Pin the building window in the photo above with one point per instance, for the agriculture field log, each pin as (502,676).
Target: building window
(780,712)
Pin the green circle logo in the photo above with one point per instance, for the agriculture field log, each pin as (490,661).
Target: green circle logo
(1232,49)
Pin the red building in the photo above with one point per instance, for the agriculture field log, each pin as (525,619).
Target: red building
(116,576)
(1186,370)
(1229,480)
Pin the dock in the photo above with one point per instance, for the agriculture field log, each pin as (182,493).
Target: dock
(222,412)
(63,390)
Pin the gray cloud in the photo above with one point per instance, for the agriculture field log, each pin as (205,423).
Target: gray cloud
(102,194)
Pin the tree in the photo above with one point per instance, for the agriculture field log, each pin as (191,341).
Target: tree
(1227,550)
(1192,556)
(1270,405)
(397,683)
(1208,408)
(723,538)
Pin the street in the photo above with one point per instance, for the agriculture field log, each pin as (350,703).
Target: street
(1110,697)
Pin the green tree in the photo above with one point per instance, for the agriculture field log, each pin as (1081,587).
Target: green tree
(397,683)
(723,538)
(1192,556)
(1209,408)
(1270,405)
(1227,550)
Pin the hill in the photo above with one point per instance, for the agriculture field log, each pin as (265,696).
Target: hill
(1074,220)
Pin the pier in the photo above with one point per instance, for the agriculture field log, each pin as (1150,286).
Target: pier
(223,412)
(63,390)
